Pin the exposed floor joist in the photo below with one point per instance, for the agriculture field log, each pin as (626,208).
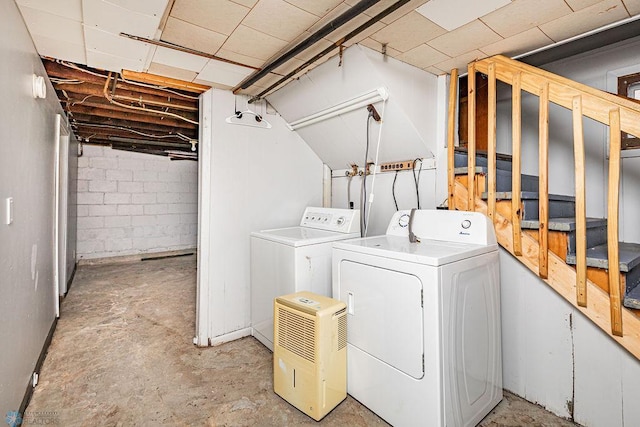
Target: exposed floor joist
(104,108)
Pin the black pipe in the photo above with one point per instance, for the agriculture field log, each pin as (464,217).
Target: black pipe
(328,50)
(306,43)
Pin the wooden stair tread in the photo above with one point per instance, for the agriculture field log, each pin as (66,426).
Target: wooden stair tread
(530,195)
(598,256)
(632,299)
(562,224)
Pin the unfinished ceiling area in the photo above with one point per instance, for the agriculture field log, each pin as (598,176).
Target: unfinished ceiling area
(239,44)
(104,107)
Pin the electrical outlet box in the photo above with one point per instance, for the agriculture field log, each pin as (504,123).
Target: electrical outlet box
(396,166)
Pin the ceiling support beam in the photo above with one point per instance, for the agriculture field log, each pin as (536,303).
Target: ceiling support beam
(307,43)
(397,5)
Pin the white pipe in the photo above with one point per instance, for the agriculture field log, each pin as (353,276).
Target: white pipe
(326,186)
(375,169)
(380,94)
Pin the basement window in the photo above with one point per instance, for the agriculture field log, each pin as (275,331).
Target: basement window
(629,86)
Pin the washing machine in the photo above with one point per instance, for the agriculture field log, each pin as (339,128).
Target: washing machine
(423,334)
(293,259)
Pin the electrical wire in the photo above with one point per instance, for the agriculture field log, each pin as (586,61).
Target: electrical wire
(148,135)
(163,88)
(393,191)
(84,99)
(146,110)
(416,180)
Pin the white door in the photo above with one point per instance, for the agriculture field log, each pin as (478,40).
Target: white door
(61,200)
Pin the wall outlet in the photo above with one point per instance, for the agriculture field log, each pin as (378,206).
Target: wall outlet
(396,166)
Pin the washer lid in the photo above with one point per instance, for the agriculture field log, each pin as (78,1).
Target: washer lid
(302,236)
(428,252)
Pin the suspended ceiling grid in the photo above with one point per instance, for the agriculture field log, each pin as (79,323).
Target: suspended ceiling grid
(252,32)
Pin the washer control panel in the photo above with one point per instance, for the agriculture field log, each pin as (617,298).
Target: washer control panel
(332,219)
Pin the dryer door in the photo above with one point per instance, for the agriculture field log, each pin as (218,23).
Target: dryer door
(385,318)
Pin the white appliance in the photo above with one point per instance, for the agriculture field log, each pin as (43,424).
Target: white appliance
(423,345)
(288,260)
(310,353)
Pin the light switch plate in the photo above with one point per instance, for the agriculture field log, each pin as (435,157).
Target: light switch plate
(9,210)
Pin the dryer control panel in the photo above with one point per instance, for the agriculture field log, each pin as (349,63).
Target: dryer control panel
(331,219)
(445,225)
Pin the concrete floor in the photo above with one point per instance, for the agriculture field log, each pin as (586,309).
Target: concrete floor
(122,355)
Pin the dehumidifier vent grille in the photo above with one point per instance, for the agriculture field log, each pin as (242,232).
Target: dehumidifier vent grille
(342,328)
(296,333)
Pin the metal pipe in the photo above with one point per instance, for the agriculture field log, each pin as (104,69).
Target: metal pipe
(186,50)
(328,50)
(306,43)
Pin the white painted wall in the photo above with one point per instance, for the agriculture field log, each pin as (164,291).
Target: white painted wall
(251,179)
(410,127)
(552,354)
(27,154)
(409,123)
(132,203)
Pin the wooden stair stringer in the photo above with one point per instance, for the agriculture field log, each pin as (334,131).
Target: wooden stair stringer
(561,277)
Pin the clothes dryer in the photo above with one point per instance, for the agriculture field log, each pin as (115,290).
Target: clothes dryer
(423,335)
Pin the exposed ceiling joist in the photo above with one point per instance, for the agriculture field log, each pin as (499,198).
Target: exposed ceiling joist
(105,108)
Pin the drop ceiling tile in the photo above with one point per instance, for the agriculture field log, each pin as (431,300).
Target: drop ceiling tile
(468,37)
(435,71)
(408,32)
(352,25)
(177,59)
(146,7)
(242,59)
(173,72)
(288,66)
(330,16)
(246,3)
(318,8)
(223,73)
(581,4)
(71,9)
(115,19)
(522,15)
(249,42)
(584,20)
(452,14)
(320,46)
(221,16)
(279,19)
(460,62)
(423,56)
(377,46)
(114,44)
(633,6)
(188,35)
(108,62)
(52,26)
(520,43)
(58,49)
(384,4)
(212,84)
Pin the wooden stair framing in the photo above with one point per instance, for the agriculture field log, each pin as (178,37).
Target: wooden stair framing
(596,293)
(561,277)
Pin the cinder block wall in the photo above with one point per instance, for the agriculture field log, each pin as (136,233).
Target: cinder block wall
(132,203)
